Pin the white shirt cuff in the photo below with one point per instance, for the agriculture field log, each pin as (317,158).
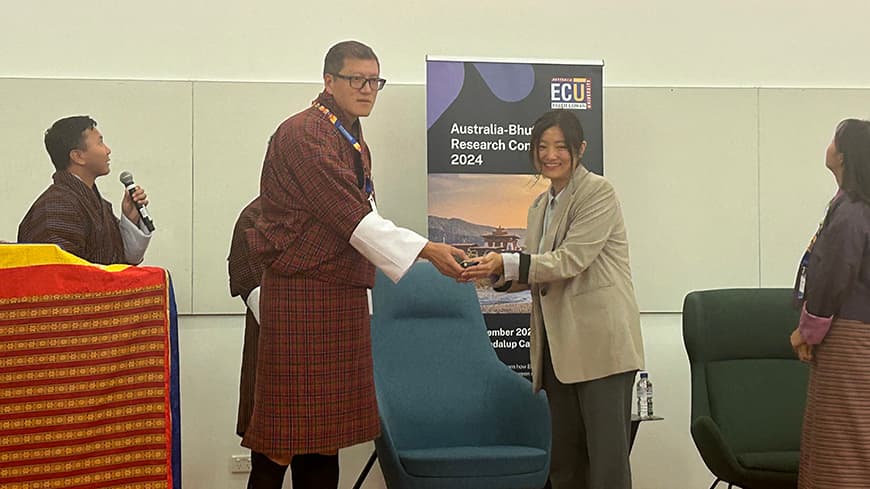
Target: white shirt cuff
(387,246)
(511,263)
(253,303)
(135,239)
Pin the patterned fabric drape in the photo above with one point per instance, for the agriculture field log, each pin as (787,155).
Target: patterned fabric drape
(88,373)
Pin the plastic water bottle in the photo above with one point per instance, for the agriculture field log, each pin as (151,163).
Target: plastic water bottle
(644,396)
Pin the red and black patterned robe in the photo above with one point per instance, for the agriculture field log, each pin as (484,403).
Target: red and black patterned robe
(76,218)
(315,388)
(245,271)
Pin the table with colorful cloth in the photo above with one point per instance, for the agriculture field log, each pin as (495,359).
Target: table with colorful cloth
(89,394)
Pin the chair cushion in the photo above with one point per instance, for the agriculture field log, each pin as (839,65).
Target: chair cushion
(786,461)
(483,461)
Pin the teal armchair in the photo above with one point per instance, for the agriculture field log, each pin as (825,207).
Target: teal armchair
(748,387)
(452,415)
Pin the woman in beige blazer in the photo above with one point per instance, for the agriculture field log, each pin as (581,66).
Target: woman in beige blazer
(586,343)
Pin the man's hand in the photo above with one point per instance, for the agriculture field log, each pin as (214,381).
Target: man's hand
(128,205)
(444,257)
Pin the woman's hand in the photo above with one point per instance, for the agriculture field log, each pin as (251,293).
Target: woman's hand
(803,350)
(490,264)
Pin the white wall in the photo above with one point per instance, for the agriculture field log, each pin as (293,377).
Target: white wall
(707,176)
(662,43)
(676,155)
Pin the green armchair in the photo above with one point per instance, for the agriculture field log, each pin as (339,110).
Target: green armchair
(748,387)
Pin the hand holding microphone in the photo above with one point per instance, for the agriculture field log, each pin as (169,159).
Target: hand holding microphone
(135,201)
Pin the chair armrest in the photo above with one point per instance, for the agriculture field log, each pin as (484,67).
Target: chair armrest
(388,456)
(524,415)
(718,456)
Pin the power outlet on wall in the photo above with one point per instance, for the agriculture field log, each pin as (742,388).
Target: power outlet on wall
(240,463)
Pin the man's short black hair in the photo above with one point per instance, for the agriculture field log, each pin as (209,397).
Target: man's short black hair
(66,135)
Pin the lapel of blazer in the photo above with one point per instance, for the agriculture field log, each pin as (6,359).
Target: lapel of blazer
(563,203)
(535,223)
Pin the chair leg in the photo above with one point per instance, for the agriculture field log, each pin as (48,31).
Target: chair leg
(715,483)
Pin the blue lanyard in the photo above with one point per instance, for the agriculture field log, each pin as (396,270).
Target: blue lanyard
(366,182)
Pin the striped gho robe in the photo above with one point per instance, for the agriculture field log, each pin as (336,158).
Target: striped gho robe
(246,271)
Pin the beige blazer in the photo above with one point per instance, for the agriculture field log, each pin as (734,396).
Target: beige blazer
(581,285)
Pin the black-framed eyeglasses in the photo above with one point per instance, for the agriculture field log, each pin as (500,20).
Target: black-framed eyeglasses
(358,82)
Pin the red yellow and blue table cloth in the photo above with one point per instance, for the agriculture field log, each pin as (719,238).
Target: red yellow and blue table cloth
(89,393)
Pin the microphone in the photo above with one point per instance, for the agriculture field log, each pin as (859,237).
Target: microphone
(127,180)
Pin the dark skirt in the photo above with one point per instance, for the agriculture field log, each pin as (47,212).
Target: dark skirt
(835,442)
(315,388)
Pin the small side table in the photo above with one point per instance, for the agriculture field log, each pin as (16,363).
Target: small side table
(635,424)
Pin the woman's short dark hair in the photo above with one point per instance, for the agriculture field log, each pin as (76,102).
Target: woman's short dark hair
(66,135)
(334,61)
(571,129)
(852,139)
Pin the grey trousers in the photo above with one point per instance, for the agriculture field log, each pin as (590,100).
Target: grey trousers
(591,430)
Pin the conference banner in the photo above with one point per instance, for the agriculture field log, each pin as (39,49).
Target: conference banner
(479,118)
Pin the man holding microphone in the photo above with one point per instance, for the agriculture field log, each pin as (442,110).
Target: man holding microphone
(72,213)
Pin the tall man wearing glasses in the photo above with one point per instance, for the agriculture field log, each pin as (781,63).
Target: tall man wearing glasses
(320,238)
